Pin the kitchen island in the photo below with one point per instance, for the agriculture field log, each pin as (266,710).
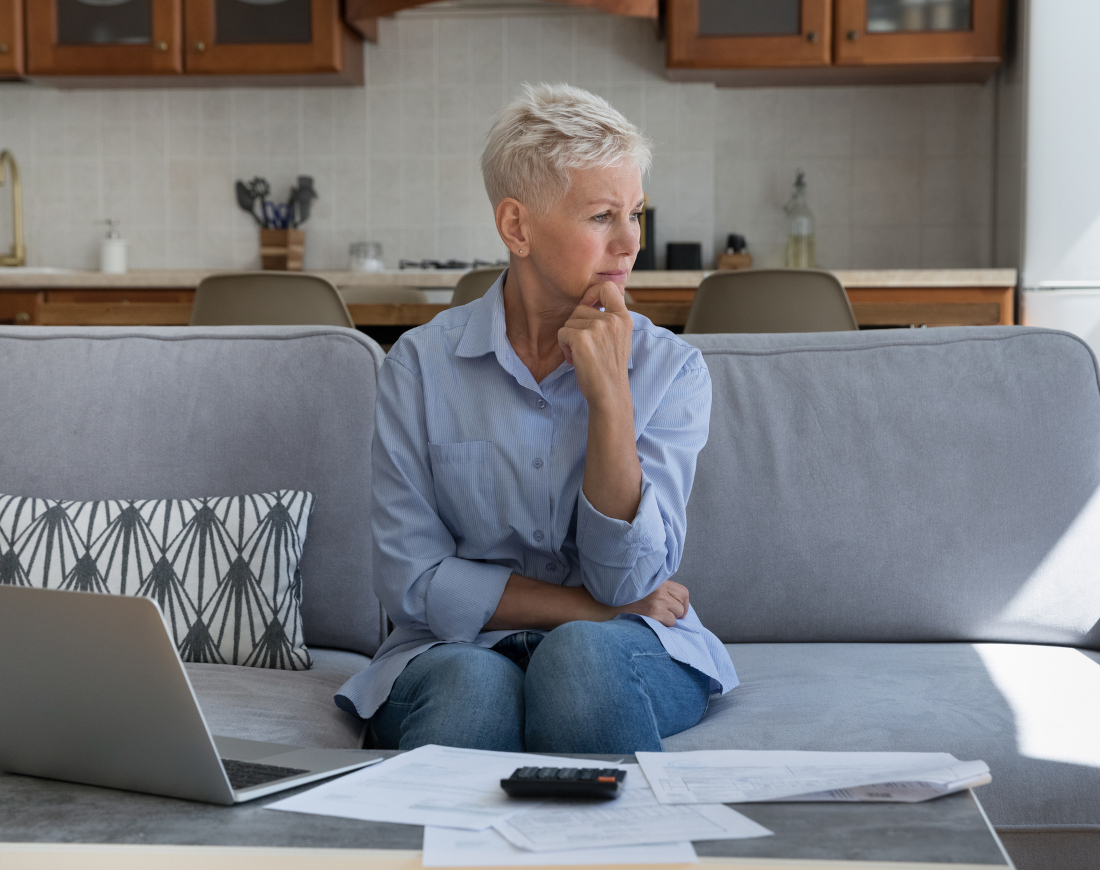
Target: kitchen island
(162,297)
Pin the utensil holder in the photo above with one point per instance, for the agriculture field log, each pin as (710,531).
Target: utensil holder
(282,250)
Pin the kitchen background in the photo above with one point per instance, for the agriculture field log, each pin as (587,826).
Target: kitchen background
(899,176)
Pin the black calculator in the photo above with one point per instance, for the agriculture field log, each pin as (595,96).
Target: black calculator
(564,782)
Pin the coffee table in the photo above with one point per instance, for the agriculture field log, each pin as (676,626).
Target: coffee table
(46,824)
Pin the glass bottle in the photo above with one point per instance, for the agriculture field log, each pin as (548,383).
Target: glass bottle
(800,227)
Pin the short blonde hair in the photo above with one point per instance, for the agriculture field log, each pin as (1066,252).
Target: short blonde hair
(545,132)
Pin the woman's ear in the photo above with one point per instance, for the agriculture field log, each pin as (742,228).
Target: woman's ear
(513,224)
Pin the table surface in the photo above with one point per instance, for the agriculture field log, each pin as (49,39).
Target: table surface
(168,279)
(38,814)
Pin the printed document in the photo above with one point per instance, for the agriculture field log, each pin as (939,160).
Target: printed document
(743,776)
(431,785)
(450,847)
(634,818)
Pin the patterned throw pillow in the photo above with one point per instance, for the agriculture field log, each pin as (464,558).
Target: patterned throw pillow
(223,570)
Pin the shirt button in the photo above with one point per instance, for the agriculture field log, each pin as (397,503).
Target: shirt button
(541,403)
(551,567)
(537,463)
(539,535)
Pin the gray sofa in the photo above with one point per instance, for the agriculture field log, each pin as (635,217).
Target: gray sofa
(896,532)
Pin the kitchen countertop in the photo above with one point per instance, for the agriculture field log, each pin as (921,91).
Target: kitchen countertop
(188,279)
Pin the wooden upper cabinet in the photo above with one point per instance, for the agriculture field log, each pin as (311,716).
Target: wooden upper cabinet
(881,32)
(747,34)
(90,37)
(234,37)
(11,38)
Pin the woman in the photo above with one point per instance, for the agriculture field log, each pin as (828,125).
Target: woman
(532,463)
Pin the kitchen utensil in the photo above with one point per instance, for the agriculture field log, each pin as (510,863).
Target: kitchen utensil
(277,215)
(260,189)
(365,257)
(302,196)
(247,201)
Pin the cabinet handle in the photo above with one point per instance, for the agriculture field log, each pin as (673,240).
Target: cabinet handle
(3,48)
(853,35)
(200,46)
(22,317)
(811,36)
(162,46)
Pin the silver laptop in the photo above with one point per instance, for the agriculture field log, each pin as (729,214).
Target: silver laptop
(92,690)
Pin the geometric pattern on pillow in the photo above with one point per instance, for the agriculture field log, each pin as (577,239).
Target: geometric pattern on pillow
(225,571)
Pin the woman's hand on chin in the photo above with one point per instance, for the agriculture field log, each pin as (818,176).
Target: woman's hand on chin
(597,343)
(667,603)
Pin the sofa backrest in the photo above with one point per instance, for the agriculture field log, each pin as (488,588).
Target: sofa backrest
(110,413)
(899,485)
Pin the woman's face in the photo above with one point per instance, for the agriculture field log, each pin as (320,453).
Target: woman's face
(591,235)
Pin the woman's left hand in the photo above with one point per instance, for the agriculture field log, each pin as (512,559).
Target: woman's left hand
(597,343)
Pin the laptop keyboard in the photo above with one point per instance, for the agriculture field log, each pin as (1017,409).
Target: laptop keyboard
(244,774)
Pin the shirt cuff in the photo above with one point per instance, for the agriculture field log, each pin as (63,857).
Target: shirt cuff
(462,596)
(617,543)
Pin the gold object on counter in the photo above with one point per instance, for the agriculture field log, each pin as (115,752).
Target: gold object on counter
(18,255)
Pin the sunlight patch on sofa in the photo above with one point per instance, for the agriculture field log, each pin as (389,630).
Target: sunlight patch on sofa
(1063,593)
(1054,694)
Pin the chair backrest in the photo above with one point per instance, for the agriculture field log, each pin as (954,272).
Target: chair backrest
(186,412)
(899,486)
(770,300)
(268,299)
(474,284)
(386,295)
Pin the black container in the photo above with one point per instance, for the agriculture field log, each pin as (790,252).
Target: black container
(647,255)
(684,257)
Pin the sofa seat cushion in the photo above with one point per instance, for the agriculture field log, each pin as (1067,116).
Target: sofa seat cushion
(279,706)
(1031,712)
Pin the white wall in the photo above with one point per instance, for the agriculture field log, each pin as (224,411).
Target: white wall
(898,176)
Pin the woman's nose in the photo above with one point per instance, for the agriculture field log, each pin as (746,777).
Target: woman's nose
(628,239)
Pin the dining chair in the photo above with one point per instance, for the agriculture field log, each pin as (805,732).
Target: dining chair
(268,298)
(474,284)
(386,295)
(770,300)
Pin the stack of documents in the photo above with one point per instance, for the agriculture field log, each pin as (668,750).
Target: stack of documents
(732,776)
(469,821)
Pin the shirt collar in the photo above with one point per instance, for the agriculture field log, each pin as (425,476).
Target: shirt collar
(486,332)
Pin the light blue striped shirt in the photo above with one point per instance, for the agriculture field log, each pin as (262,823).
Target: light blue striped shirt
(477,475)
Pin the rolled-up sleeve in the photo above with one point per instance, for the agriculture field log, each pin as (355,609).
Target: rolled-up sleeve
(621,561)
(417,576)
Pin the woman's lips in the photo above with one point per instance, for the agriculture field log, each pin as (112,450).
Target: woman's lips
(618,276)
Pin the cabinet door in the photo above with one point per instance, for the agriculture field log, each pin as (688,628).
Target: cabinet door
(918,31)
(264,36)
(11,38)
(104,37)
(746,34)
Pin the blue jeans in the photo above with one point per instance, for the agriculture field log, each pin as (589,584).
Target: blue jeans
(605,687)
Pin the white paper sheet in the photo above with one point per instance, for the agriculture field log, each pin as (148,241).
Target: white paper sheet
(432,785)
(634,818)
(450,847)
(741,776)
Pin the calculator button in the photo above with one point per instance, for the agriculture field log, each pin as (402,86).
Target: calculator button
(526,773)
(569,773)
(588,773)
(547,772)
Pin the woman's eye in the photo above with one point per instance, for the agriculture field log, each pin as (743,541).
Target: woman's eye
(635,216)
(600,218)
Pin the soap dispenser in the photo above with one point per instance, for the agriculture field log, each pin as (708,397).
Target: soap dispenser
(112,253)
(800,227)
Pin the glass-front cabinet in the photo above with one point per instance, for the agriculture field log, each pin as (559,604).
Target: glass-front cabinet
(11,38)
(266,36)
(830,40)
(757,33)
(918,31)
(104,37)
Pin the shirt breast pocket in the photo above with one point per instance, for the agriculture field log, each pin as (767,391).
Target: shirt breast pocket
(466,492)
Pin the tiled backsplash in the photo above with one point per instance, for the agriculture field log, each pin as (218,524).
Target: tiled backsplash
(898,176)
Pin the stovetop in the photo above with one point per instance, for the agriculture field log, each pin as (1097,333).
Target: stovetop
(450,264)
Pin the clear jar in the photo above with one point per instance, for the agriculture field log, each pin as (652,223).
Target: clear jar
(365,257)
